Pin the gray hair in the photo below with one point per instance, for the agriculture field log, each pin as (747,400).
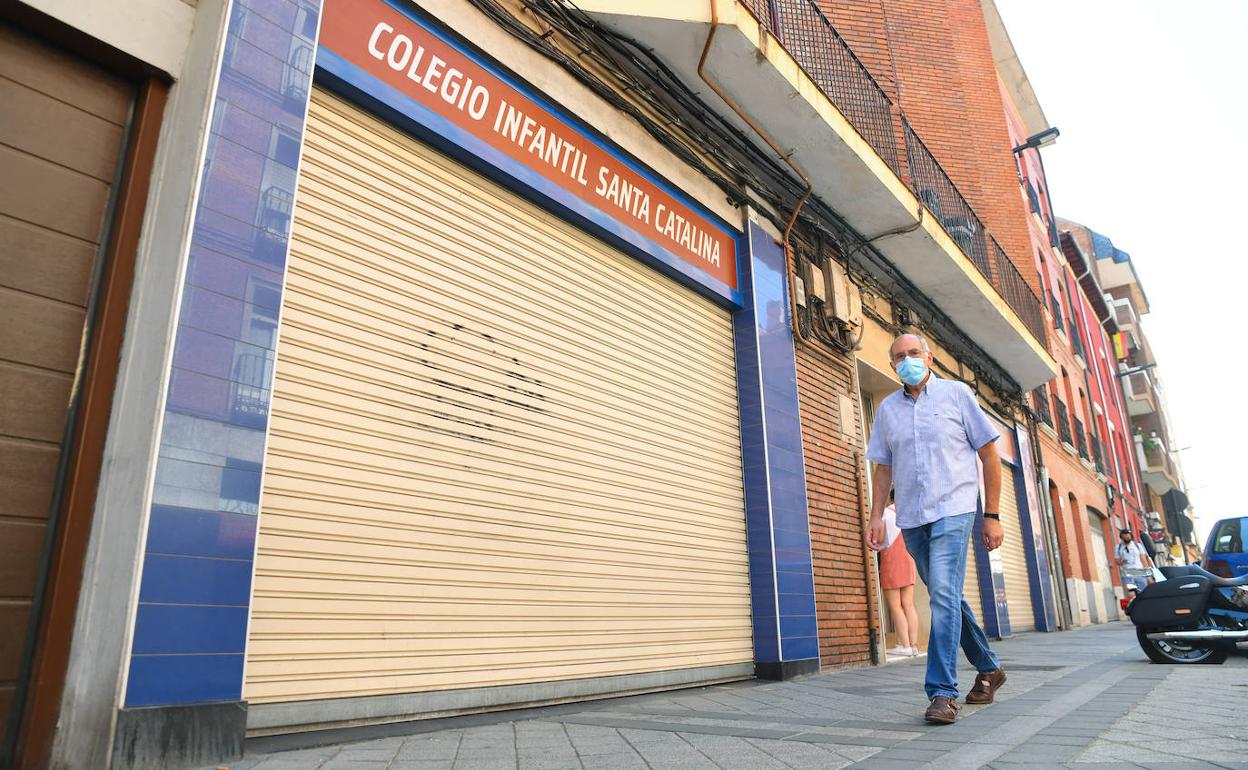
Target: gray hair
(922,341)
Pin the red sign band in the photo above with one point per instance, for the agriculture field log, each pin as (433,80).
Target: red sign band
(392,47)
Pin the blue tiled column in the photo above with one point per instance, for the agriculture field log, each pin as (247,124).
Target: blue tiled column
(1034,544)
(781,574)
(191,624)
(990,578)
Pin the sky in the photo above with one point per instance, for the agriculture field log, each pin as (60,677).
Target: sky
(1150,98)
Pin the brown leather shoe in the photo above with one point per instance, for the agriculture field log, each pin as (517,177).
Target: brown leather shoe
(986,686)
(942,711)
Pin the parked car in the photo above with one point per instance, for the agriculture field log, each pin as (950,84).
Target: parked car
(1225,553)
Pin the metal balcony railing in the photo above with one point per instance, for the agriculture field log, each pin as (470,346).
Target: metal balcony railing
(1041,399)
(1063,421)
(1081,442)
(252,378)
(940,196)
(1017,294)
(809,37)
(1098,456)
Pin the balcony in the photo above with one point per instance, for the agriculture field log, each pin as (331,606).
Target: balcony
(1063,422)
(785,66)
(1156,466)
(1141,400)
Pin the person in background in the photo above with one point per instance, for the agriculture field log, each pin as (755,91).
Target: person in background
(897,577)
(1133,561)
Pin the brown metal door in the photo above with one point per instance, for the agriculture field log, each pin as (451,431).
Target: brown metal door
(62,130)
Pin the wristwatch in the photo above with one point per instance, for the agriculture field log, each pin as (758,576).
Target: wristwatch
(996,516)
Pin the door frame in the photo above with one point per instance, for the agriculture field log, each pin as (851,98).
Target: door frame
(35,711)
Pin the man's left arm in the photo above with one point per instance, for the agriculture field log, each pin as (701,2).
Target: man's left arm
(983,434)
(993,533)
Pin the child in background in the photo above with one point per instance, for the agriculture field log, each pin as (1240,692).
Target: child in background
(897,577)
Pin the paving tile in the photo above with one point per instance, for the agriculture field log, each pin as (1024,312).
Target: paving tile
(353,764)
(276,763)
(368,754)
(874,763)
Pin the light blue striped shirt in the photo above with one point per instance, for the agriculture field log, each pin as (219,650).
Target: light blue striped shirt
(930,444)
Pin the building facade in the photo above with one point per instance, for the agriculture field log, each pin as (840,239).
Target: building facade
(468,354)
(1147,441)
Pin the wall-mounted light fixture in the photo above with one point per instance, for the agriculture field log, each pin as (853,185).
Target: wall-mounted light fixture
(1046,137)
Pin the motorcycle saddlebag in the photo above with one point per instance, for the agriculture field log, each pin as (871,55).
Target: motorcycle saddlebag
(1179,601)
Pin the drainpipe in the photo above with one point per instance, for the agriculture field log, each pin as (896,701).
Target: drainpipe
(872,624)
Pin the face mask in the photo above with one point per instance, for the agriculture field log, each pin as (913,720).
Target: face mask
(912,370)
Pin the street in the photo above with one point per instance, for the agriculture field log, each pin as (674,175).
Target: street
(1086,699)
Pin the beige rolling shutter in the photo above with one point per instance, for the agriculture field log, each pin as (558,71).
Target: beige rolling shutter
(1014,558)
(501,451)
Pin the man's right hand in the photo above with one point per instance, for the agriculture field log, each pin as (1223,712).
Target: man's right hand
(876,533)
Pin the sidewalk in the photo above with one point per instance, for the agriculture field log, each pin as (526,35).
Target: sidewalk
(1086,699)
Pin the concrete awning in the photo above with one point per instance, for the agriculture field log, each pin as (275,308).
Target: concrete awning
(847,173)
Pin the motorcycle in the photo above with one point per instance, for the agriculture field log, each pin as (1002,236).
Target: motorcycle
(1189,615)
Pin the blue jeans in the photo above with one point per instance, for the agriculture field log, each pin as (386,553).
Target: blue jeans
(939,553)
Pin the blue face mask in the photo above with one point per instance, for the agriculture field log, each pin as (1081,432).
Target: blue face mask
(912,370)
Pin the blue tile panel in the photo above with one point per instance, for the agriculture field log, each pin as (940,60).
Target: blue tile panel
(989,571)
(1035,548)
(191,624)
(781,573)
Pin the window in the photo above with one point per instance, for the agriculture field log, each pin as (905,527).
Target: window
(286,149)
(308,26)
(1057,312)
(1228,537)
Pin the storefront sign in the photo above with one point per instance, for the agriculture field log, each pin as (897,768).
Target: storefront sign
(481,107)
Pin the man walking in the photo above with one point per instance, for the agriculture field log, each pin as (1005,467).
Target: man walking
(924,443)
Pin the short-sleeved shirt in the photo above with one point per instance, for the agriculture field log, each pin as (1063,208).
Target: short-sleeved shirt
(1131,555)
(931,444)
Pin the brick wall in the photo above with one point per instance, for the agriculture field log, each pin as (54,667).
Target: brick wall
(862,24)
(841,587)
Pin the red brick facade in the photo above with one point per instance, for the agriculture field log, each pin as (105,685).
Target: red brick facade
(842,586)
(863,25)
